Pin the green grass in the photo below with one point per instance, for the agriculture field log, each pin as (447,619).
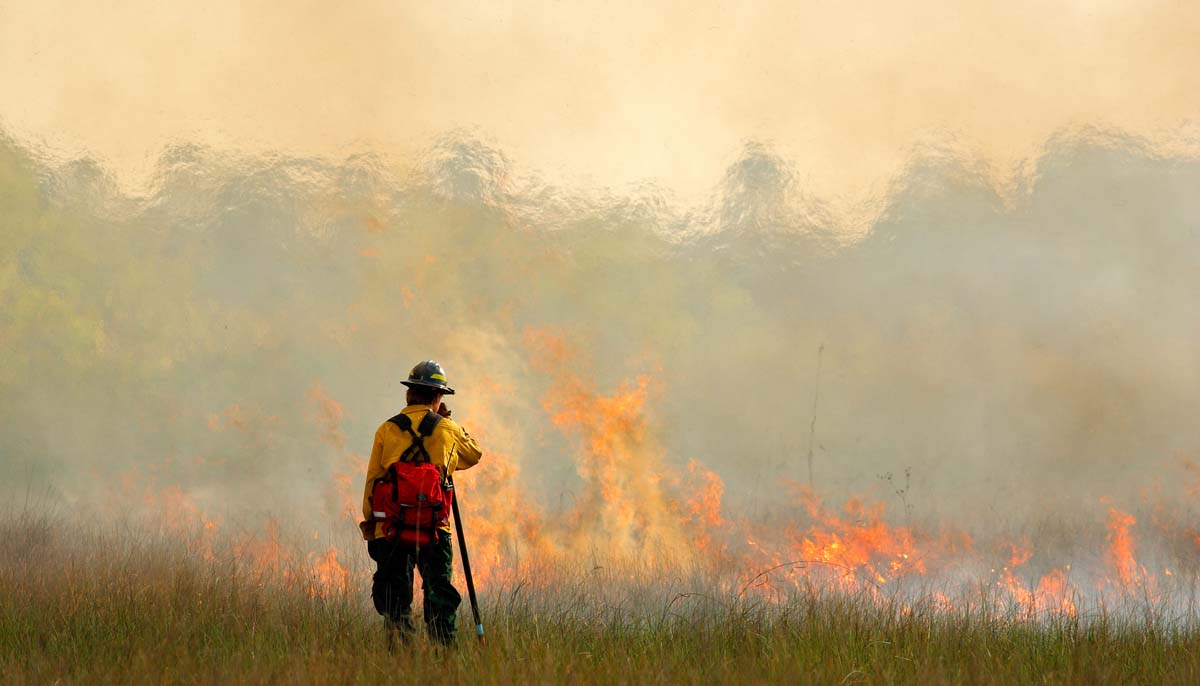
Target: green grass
(83,604)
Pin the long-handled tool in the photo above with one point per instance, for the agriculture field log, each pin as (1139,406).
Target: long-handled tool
(462,547)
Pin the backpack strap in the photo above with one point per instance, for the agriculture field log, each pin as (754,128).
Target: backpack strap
(428,423)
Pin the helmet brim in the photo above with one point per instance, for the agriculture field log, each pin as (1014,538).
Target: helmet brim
(445,390)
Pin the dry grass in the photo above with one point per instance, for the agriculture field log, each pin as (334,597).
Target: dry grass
(121,605)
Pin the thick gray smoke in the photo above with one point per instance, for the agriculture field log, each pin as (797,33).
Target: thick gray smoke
(1018,348)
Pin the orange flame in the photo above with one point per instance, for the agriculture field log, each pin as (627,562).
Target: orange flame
(636,506)
(1120,546)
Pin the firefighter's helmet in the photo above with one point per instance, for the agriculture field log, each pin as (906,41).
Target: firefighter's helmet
(429,374)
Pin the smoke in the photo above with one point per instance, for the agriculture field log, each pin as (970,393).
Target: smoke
(240,329)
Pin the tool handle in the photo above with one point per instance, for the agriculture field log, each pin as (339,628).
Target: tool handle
(466,560)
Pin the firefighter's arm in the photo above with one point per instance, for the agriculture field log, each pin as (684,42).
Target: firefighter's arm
(468,450)
(374,471)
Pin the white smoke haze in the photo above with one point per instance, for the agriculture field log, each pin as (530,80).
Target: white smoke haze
(1008,357)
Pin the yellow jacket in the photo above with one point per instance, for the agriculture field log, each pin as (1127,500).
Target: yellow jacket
(449,447)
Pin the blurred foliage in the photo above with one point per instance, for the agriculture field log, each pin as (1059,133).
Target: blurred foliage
(968,327)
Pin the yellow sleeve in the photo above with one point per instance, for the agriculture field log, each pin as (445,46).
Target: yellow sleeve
(374,471)
(468,450)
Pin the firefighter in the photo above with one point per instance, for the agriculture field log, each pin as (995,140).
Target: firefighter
(448,447)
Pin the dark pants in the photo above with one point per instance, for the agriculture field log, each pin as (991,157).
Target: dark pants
(392,589)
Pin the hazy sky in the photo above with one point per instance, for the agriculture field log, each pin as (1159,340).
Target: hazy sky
(609,95)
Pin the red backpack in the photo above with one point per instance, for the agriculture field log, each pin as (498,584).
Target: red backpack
(412,499)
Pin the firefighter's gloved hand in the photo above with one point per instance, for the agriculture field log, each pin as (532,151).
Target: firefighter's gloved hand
(443,410)
(367,529)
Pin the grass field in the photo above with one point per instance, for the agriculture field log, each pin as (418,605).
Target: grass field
(115,604)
